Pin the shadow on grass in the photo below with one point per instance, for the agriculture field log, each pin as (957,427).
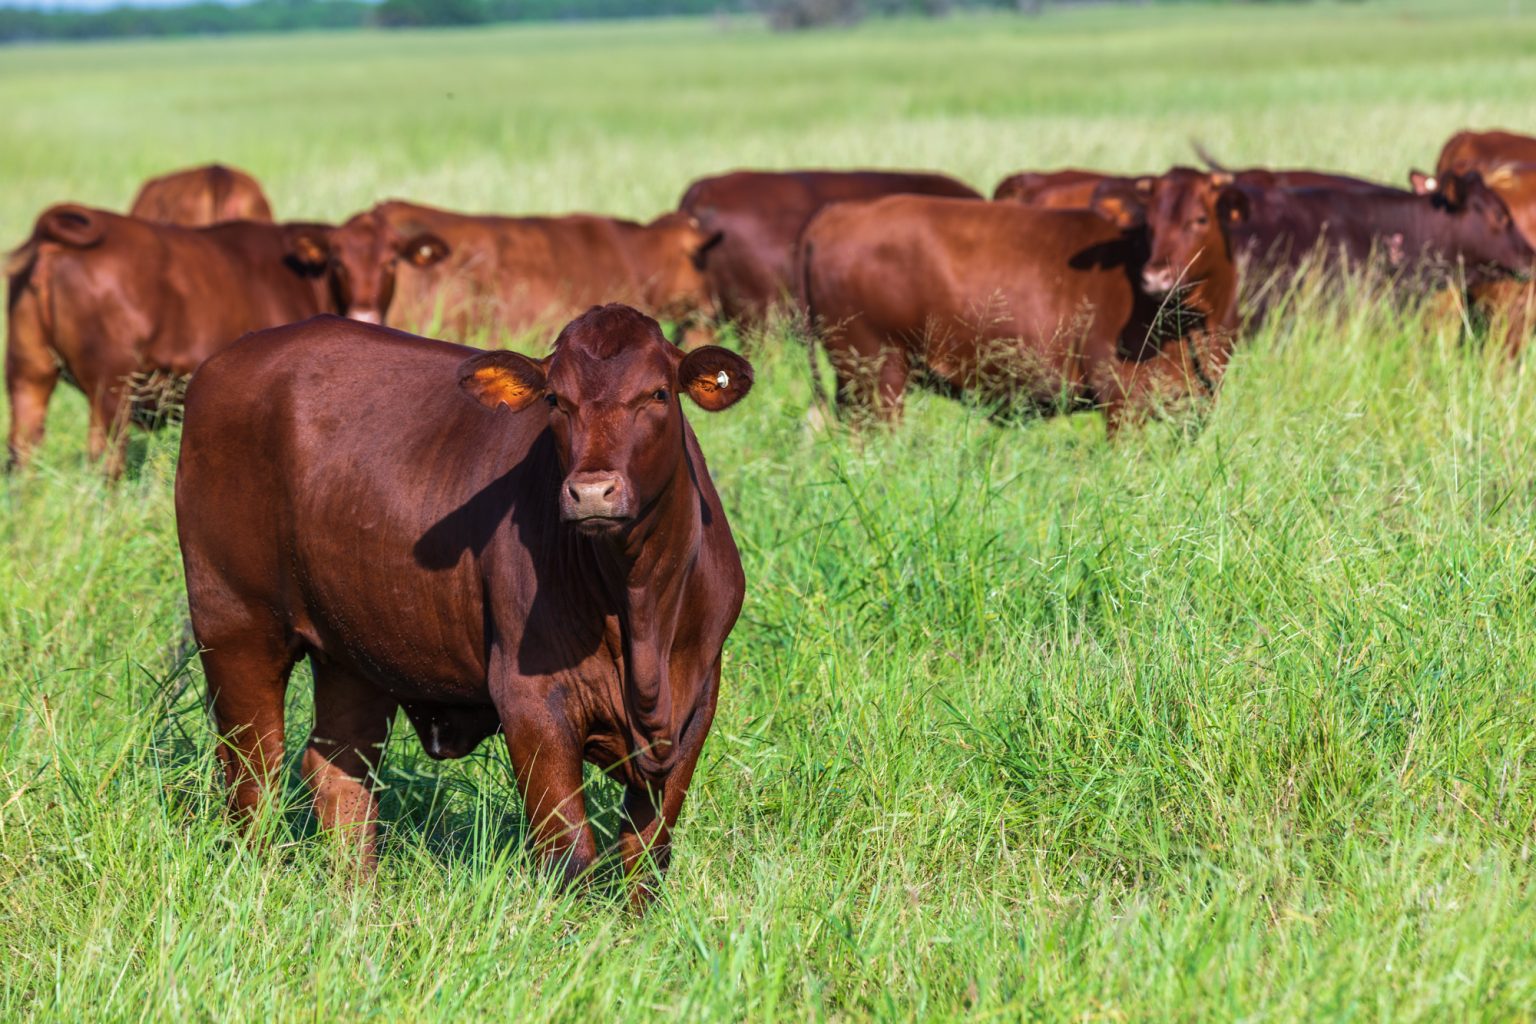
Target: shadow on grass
(465,814)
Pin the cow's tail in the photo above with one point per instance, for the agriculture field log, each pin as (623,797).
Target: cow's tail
(76,227)
(821,409)
(1206,158)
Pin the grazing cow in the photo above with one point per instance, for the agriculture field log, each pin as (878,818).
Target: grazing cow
(1266,177)
(1074,189)
(118,303)
(407,265)
(559,570)
(200,196)
(1468,151)
(1025,307)
(758,217)
(1515,184)
(1462,229)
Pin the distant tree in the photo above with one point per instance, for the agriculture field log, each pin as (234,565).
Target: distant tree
(414,13)
(790,15)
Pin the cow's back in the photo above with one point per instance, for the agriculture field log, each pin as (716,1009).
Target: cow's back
(973,289)
(762,214)
(335,471)
(201,196)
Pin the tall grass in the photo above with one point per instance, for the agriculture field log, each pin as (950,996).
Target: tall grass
(1017,724)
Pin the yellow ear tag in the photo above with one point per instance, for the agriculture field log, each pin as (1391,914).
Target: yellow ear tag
(723,379)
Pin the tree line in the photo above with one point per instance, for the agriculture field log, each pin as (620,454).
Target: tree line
(20,24)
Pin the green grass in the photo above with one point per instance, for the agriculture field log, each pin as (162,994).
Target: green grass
(1016,725)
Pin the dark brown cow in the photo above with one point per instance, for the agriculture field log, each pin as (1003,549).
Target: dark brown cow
(1468,151)
(1293,177)
(111,300)
(1463,229)
(413,266)
(759,215)
(1515,184)
(1027,307)
(560,570)
(200,196)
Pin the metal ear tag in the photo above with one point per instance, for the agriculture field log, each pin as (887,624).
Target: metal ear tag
(723,379)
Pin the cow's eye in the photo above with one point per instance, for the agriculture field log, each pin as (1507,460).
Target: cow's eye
(554,403)
(660,394)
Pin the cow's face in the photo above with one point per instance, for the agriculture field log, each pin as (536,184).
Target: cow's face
(679,289)
(612,389)
(1486,232)
(366,253)
(362,257)
(1187,218)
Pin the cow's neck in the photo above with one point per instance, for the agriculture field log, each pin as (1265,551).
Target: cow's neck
(644,573)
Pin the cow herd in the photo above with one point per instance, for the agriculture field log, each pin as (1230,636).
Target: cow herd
(496,543)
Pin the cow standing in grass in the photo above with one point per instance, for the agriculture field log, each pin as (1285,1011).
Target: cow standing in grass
(486,541)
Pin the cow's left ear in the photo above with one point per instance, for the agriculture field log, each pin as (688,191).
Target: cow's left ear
(1232,205)
(503,378)
(714,377)
(424,249)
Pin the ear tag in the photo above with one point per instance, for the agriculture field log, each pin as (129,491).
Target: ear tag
(723,379)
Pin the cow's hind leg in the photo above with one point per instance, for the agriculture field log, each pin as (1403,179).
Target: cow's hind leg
(31,373)
(352,720)
(247,680)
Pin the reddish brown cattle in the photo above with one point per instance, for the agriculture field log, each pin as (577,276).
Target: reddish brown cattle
(1027,307)
(200,196)
(1462,230)
(1074,189)
(1468,151)
(117,302)
(758,217)
(410,265)
(559,570)
(1295,177)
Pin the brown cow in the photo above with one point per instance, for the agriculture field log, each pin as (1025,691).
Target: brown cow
(199,196)
(414,266)
(759,215)
(559,570)
(1027,307)
(109,299)
(1468,151)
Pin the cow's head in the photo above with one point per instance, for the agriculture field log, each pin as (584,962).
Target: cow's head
(677,288)
(612,386)
(363,256)
(1187,214)
(1485,232)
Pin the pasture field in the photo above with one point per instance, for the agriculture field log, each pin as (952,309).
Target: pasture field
(1017,724)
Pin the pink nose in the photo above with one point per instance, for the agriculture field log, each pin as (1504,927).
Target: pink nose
(1158,280)
(594,496)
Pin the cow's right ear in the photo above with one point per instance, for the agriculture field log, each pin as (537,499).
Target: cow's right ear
(308,246)
(1422,184)
(503,378)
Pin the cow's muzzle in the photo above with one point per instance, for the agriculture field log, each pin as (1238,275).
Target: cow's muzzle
(1158,280)
(595,501)
(367,316)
